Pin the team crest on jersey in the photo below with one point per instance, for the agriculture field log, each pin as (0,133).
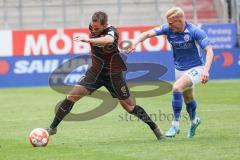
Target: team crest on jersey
(123,89)
(186,38)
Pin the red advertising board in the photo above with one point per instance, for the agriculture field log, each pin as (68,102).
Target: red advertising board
(60,41)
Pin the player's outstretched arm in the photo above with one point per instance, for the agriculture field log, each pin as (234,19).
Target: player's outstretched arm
(101,40)
(209,58)
(143,36)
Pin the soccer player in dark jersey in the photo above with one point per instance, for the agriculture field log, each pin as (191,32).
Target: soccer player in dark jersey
(106,70)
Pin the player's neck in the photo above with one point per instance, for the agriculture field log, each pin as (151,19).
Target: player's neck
(183,28)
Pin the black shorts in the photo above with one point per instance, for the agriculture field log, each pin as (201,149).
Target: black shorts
(114,83)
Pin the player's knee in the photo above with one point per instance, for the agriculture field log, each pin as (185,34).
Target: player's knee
(188,98)
(129,109)
(177,88)
(73,98)
(128,106)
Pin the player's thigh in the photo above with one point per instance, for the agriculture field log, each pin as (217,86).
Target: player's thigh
(117,86)
(77,92)
(188,95)
(194,74)
(88,83)
(183,83)
(187,79)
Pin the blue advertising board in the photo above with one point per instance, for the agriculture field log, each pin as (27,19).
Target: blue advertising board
(36,70)
(222,35)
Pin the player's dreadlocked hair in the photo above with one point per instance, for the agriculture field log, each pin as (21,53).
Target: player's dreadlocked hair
(100,17)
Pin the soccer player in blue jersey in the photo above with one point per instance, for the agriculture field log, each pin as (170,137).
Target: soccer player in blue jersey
(186,40)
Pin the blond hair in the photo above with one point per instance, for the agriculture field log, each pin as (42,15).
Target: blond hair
(174,12)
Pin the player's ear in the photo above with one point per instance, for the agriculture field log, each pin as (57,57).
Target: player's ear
(90,27)
(105,25)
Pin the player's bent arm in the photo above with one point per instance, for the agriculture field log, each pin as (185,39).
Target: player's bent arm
(102,40)
(209,57)
(143,36)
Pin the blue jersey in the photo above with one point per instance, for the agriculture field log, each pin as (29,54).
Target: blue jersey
(185,45)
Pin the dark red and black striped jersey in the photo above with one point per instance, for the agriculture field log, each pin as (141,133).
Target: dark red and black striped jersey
(107,57)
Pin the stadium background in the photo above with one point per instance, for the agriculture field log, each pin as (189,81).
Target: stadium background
(36,37)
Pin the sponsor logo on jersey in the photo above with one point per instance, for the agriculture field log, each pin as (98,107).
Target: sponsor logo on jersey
(186,37)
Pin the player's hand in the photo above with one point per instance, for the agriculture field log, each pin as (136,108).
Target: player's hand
(204,77)
(131,48)
(81,39)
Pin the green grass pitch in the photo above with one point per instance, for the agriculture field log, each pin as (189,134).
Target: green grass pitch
(112,136)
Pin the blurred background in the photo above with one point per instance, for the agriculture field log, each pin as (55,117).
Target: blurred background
(38,14)
(36,35)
